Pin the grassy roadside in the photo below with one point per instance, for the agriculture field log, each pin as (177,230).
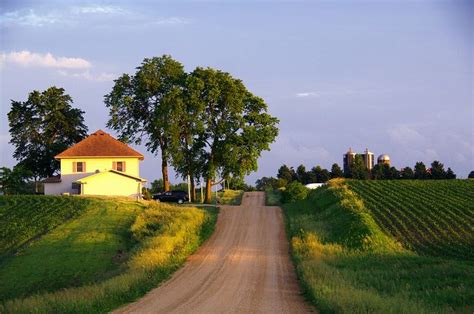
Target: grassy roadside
(348,265)
(228,197)
(272,197)
(165,235)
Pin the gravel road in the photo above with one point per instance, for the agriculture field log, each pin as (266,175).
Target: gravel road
(243,268)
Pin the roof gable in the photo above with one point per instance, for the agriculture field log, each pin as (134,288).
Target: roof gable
(99,144)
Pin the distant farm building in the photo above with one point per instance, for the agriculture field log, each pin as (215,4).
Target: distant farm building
(367,158)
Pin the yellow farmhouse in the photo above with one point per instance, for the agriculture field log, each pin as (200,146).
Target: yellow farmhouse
(97,165)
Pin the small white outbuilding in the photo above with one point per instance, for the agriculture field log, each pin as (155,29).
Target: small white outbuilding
(313,186)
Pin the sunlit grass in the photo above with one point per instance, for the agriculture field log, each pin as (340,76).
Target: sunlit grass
(347,264)
(119,253)
(228,197)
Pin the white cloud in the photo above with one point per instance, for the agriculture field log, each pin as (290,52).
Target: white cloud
(91,14)
(307,94)
(30,59)
(171,21)
(98,9)
(30,18)
(87,75)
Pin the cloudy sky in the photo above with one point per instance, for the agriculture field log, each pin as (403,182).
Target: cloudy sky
(393,76)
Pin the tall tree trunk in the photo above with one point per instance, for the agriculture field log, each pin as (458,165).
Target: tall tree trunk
(193,189)
(208,196)
(164,171)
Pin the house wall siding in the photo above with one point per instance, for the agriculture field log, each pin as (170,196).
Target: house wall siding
(101,164)
(111,184)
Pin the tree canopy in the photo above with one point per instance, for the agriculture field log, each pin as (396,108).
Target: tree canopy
(205,123)
(43,126)
(141,106)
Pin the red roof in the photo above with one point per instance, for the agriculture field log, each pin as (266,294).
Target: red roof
(99,144)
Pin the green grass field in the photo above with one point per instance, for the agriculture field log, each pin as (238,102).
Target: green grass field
(111,254)
(350,260)
(18,211)
(272,197)
(229,197)
(87,249)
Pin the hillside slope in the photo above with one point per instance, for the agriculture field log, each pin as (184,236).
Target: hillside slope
(350,262)
(112,253)
(18,211)
(430,217)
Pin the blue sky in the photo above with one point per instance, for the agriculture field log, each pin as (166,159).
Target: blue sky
(393,76)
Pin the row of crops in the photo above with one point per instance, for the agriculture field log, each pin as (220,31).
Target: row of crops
(46,212)
(430,217)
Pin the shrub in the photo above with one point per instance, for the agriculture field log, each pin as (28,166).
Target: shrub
(295,191)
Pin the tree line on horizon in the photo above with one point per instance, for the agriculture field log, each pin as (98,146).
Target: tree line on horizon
(286,175)
(205,124)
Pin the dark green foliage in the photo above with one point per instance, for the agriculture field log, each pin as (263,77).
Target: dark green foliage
(287,174)
(450,174)
(141,106)
(42,127)
(421,171)
(407,173)
(266,183)
(319,175)
(18,212)
(301,175)
(157,186)
(437,170)
(236,127)
(294,191)
(358,170)
(16,181)
(336,171)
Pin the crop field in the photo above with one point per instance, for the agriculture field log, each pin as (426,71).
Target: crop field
(430,217)
(385,246)
(47,212)
(86,249)
(111,254)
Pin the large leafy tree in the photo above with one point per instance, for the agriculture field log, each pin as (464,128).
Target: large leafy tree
(141,106)
(235,128)
(336,171)
(420,172)
(302,175)
(43,126)
(358,169)
(15,181)
(407,173)
(187,131)
(286,173)
(437,170)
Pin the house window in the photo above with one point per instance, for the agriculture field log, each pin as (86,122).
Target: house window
(119,166)
(76,187)
(79,166)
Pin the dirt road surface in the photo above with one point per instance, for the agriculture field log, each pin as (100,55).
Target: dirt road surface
(243,268)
